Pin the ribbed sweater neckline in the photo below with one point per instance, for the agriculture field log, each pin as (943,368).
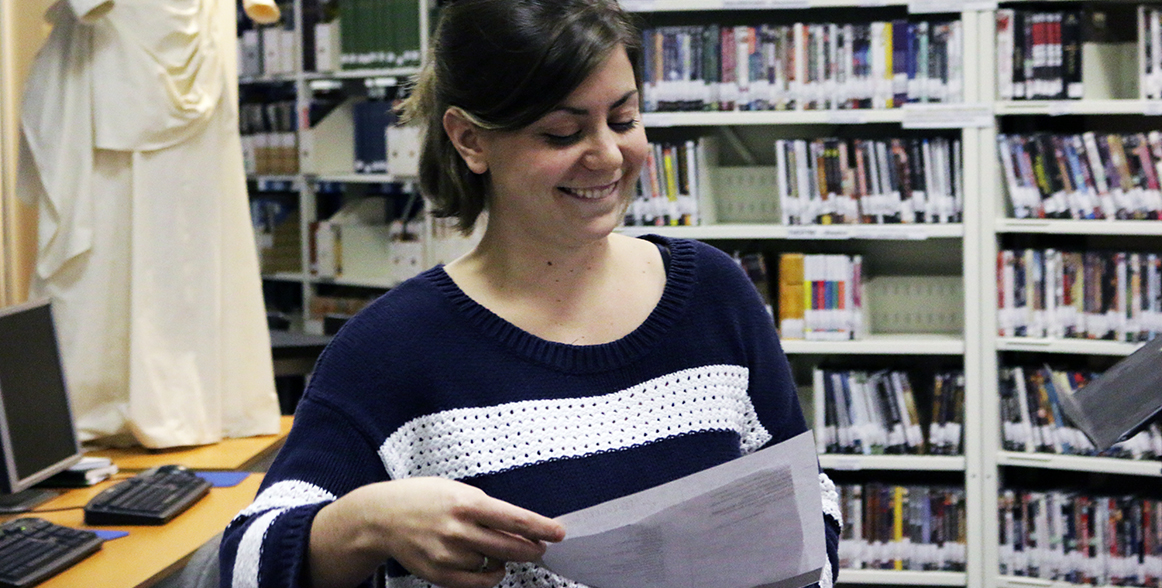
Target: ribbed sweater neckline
(584,358)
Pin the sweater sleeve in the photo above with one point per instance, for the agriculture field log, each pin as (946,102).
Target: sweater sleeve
(266,545)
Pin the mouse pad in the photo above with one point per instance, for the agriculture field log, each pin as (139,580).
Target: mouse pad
(223,479)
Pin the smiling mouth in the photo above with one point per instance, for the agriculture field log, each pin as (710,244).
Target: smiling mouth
(591,193)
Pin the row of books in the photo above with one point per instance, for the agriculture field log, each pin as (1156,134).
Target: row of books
(379,33)
(266,51)
(1083,176)
(270,50)
(1039,54)
(832,181)
(1032,419)
(668,191)
(893,527)
(876,413)
(1112,295)
(269,141)
(1080,538)
(803,66)
(820,296)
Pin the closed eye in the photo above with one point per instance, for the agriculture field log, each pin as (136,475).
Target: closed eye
(563,140)
(566,140)
(623,127)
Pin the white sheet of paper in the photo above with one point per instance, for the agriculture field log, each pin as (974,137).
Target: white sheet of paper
(756,521)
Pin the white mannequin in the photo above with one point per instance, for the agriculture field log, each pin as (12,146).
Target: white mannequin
(130,151)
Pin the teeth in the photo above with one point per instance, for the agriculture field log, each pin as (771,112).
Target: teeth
(592,193)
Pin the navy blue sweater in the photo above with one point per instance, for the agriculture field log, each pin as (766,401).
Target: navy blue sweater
(426,382)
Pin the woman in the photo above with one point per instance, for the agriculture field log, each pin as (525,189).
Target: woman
(555,366)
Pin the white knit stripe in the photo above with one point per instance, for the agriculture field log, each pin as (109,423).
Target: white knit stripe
(830,499)
(825,579)
(286,494)
(468,442)
(520,575)
(250,551)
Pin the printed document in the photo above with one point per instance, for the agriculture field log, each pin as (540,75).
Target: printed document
(756,521)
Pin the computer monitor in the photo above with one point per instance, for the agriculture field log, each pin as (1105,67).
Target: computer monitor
(37,435)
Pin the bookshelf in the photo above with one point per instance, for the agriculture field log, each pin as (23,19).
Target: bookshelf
(1102,110)
(966,250)
(306,59)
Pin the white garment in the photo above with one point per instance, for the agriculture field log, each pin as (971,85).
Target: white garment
(130,150)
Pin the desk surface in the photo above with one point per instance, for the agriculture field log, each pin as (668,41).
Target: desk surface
(148,553)
(228,454)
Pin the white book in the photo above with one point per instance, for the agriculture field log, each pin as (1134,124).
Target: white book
(1030,431)
(1156,51)
(799,84)
(271,46)
(1054,293)
(878,61)
(743,38)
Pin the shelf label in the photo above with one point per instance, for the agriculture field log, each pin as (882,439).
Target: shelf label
(762,4)
(638,5)
(819,232)
(947,116)
(846,464)
(905,232)
(935,6)
(658,119)
(1152,107)
(1061,108)
(846,117)
(983,5)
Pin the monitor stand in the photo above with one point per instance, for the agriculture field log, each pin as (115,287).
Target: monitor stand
(25,500)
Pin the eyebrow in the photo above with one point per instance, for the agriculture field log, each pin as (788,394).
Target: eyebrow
(582,111)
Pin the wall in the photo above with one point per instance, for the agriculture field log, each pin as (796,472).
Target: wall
(22,32)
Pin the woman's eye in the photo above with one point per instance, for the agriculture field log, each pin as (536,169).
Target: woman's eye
(623,127)
(563,139)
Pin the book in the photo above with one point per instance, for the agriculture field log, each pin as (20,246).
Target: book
(1122,401)
(791,293)
(87,472)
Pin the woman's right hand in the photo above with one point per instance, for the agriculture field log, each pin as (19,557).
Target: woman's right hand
(446,532)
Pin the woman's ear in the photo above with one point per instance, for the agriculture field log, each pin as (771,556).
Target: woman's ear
(466,138)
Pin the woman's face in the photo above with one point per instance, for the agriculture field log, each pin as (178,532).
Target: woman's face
(570,175)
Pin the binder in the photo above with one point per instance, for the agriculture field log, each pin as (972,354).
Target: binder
(1122,401)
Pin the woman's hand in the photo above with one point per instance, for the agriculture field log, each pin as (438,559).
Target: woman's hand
(446,532)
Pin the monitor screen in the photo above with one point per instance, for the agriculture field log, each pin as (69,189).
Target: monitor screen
(37,436)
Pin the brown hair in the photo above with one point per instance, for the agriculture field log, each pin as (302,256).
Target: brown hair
(505,64)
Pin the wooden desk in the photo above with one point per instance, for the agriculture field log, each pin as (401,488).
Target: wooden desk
(228,454)
(148,554)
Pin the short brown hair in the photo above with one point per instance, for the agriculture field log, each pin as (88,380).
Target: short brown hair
(505,63)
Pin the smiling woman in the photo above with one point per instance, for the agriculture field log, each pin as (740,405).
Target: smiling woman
(555,366)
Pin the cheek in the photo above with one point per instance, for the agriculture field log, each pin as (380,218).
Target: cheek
(635,152)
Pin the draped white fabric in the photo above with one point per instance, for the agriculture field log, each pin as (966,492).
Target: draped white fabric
(130,150)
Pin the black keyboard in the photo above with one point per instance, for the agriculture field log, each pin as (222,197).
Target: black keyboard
(153,497)
(33,549)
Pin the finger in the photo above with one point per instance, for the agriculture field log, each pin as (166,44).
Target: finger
(499,546)
(509,518)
